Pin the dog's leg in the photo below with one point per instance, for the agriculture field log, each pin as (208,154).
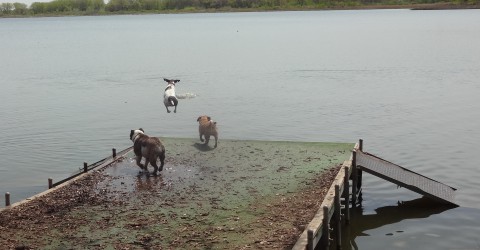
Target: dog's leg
(216,139)
(207,139)
(139,159)
(155,167)
(146,165)
(162,160)
(175,111)
(201,139)
(168,111)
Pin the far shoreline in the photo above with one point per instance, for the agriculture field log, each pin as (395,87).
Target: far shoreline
(430,6)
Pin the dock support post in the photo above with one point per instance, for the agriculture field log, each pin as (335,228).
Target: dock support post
(7,199)
(338,216)
(50,183)
(85,167)
(114,152)
(347,196)
(326,229)
(359,173)
(354,179)
(310,240)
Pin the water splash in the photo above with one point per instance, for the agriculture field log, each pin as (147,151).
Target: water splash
(186,96)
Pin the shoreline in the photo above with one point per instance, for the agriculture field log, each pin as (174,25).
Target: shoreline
(428,6)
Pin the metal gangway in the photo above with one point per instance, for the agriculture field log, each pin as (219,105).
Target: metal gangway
(404,178)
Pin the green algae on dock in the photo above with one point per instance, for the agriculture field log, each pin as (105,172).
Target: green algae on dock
(241,194)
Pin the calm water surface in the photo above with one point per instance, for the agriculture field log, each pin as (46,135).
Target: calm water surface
(407,82)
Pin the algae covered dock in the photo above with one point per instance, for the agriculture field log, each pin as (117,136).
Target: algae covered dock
(243,194)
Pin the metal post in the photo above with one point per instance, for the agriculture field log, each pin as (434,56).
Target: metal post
(85,167)
(326,229)
(347,196)
(7,199)
(50,183)
(354,178)
(114,152)
(360,145)
(338,229)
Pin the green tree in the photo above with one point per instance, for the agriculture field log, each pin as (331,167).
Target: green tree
(151,4)
(6,8)
(115,5)
(20,8)
(38,7)
(59,6)
(95,5)
(79,5)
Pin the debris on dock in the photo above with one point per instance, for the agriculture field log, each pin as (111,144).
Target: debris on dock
(241,194)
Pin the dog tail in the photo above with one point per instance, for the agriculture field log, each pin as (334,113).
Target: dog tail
(173,100)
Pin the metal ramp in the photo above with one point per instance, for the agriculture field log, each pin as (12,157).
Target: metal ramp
(405,178)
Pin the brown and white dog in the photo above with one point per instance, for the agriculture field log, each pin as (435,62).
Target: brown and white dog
(149,147)
(207,127)
(169,97)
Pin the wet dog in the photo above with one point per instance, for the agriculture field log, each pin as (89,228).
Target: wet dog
(148,147)
(169,97)
(207,127)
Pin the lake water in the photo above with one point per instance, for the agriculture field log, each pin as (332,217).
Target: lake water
(406,82)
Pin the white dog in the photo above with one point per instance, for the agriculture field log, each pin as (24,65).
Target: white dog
(169,97)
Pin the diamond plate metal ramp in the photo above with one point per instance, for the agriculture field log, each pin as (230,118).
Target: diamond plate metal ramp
(405,178)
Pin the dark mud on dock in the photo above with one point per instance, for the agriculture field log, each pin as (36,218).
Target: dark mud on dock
(243,194)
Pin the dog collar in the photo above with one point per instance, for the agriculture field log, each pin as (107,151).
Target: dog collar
(135,137)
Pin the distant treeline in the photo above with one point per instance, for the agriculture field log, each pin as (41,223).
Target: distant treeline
(92,7)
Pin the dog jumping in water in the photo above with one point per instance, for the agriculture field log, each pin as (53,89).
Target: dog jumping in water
(169,97)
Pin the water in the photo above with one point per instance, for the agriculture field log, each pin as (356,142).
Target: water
(404,81)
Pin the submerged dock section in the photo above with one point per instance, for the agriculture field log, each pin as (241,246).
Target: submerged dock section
(346,192)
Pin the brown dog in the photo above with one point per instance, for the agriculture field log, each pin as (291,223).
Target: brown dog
(149,147)
(206,128)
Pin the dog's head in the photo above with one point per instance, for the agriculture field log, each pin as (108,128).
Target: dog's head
(171,81)
(204,119)
(135,133)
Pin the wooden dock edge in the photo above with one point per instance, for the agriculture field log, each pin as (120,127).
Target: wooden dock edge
(314,231)
(101,166)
